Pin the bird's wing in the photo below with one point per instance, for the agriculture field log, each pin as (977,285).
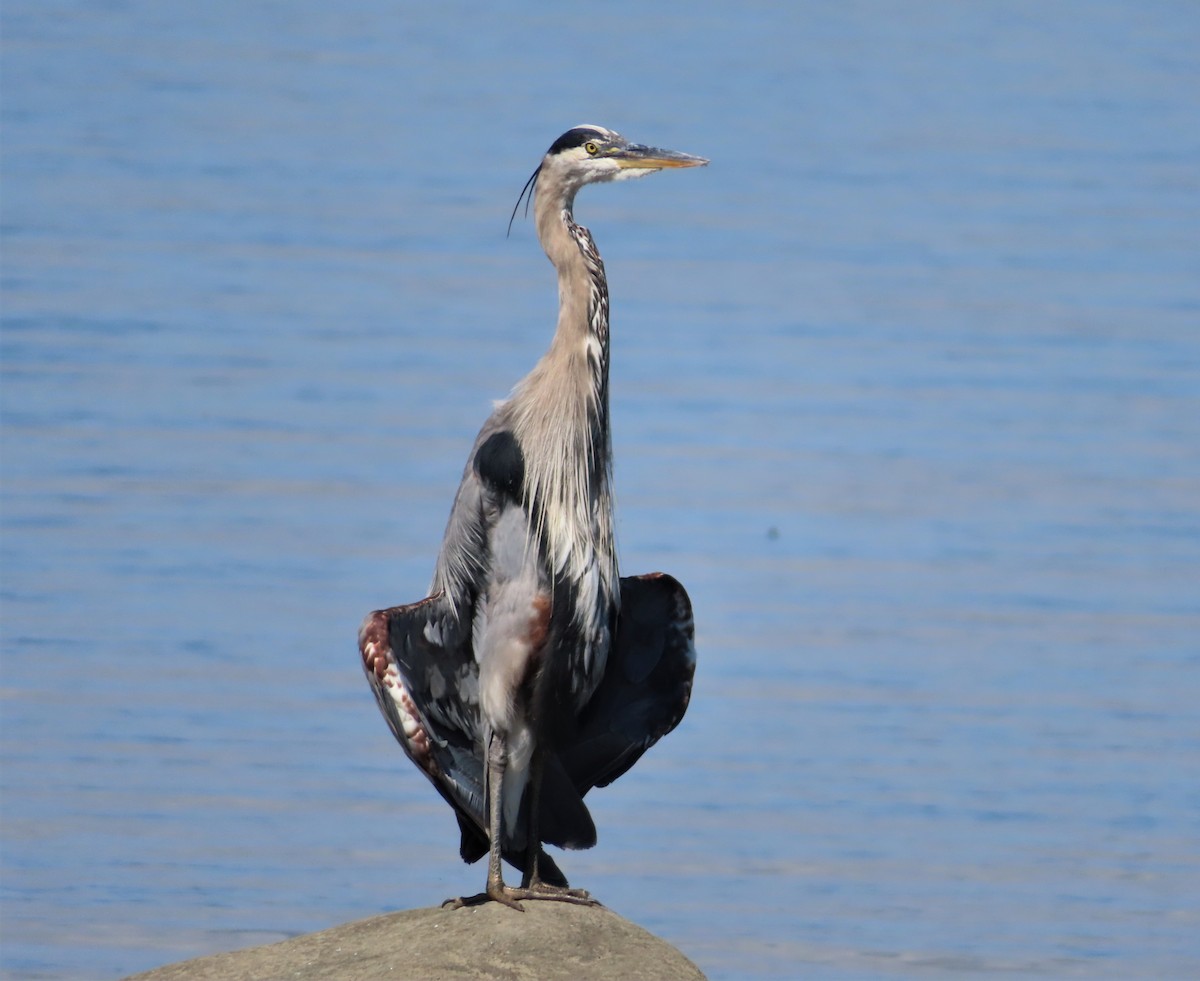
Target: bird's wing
(418,661)
(436,724)
(647,682)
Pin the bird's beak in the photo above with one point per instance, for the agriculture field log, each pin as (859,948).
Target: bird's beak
(634,156)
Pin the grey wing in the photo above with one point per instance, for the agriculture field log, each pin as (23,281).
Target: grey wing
(464,559)
(405,650)
(418,661)
(647,682)
(420,658)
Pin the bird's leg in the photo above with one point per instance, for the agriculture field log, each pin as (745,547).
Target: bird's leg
(493,787)
(532,885)
(497,761)
(534,847)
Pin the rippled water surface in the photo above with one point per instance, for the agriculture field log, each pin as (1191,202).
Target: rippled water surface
(906,390)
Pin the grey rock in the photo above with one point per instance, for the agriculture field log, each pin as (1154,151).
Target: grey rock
(548,942)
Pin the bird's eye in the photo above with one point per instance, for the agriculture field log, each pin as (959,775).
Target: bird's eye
(590,147)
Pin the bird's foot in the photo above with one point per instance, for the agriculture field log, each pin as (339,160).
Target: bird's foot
(562,894)
(498,893)
(512,896)
(508,895)
(501,895)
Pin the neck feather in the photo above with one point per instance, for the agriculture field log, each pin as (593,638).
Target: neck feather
(560,410)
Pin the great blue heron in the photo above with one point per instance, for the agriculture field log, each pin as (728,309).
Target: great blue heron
(533,673)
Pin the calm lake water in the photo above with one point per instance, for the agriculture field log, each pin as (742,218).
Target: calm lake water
(906,390)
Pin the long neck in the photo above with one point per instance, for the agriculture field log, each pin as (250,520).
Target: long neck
(582,293)
(561,407)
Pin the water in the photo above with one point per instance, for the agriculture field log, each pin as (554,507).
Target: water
(906,391)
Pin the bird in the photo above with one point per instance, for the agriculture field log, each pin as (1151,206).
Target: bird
(533,672)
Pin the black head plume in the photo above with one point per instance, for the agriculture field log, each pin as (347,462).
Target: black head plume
(527,193)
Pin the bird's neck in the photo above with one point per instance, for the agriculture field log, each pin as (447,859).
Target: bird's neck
(578,354)
(560,409)
(582,291)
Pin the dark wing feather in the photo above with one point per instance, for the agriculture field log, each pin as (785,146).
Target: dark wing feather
(418,661)
(647,682)
(410,653)
(563,819)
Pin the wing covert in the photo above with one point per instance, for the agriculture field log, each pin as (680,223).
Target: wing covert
(417,659)
(647,684)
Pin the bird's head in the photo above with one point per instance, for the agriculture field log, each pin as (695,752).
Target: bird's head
(592,154)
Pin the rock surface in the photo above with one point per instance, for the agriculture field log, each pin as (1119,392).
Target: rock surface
(548,942)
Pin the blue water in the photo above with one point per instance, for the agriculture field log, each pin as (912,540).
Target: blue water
(906,390)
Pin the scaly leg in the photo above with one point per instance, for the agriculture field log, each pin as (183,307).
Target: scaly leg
(493,792)
(533,886)
(497,758)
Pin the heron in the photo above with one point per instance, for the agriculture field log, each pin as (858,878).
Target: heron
(533,672)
